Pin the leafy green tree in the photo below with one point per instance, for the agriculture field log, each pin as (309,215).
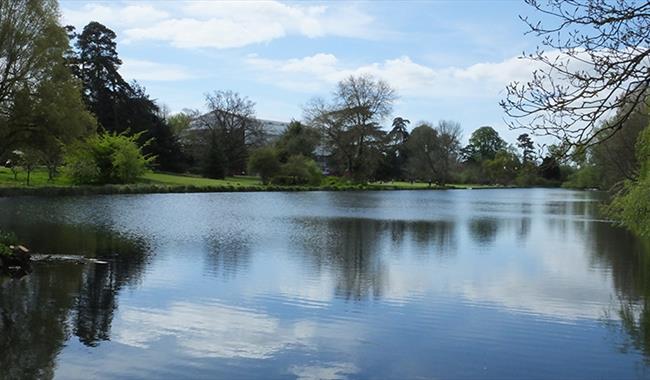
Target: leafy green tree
(525,143)
(96,63)
(424,148)
(180,123)
(433,151)
(214,162)
(399,133)
(40,103)
(265,163)
(484,144)
(52,117)
(614,156)
(631,205)
(503,168)
(298,139)
(24,42)
(120,106)
(396,154)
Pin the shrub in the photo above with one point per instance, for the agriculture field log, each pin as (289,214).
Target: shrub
(586,177)
(299,170)
(8,238)
(265,163)
(106,158)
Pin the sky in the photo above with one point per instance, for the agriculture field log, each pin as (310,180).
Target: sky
(447,60)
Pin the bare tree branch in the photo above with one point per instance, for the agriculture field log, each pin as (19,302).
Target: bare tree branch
(598,65)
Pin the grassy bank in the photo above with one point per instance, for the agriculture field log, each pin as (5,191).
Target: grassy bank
(173,183)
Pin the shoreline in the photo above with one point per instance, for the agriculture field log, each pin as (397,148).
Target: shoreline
(183,189)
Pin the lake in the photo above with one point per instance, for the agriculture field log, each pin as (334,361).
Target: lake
(476,284)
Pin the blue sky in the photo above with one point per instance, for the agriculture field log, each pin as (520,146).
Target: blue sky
(447,59)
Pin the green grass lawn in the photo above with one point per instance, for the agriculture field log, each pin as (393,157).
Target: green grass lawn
(39,178)
(187,180)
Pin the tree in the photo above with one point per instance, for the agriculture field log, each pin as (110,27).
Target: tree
(450,134)
(96,64)
(42,110)
(24,28)
(503,167)
(265,163)
(395,155)
(550,169)
(230,123)
(598,63)
(484,143)
(52,117)
(525,143)
(298,139)
(36,91)
(424,149)
(432,152)
(399,133)
(351,123)
(119,106)
(631,206)
(180,122)
(614,157)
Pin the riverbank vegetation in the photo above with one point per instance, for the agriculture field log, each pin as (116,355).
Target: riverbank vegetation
(68,118)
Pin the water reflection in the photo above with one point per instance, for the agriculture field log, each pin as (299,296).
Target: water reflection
(42,311)
(626,258)
(484,230)
(317,285)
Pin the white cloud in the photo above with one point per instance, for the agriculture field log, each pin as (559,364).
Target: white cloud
(147,70)
(320,71)
(332,371)
(220,331)
(224,24)
(211,330)
(112,16)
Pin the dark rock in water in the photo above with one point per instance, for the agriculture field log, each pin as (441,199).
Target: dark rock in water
(16,264)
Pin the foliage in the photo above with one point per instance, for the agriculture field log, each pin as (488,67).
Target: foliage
(631,206)
(230,130)
(503,167)
(525,143)
(299,170)
(120,107)
(179,122)
(25,28)
(586,177)
(298,139)
(484,143)
(432,152)
(265,163)
(7,239)
(40,103)
(351,124)
(106,158)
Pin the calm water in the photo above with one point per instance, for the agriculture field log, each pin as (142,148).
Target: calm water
(442,284)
